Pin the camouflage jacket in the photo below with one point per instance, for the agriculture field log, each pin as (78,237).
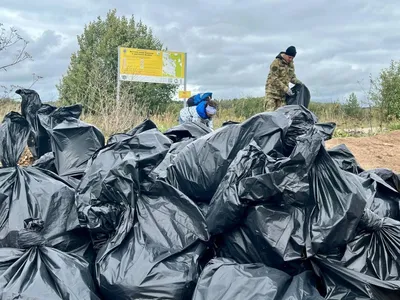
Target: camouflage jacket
(280,74)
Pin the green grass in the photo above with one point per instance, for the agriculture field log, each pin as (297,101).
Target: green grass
(394,126)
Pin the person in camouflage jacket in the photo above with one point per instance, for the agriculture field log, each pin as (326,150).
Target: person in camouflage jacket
(281,73)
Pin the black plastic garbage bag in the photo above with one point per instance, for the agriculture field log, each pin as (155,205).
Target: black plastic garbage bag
(72,181)
(187,130)
(50,116)
(301,121)
(154,235)
(345,159)
(44,254)
(30,104)
(255,178)
(44,143)
(14,132)
(258,239)
(98,193)
(226,209)
(273,235)
(46,161)
(145,125)
(38,141)
(340,282)
(330,216)
(386,198)
(225,279)
(181,135)
(303,286)
(74,142)
(267,198)
(278,235)
(157,249)
(44,272)
(285,177)
(41,118)
(326,129)
(375,249)
(238,246)
(387,175)
(41,139)
(340,199)
(199,168)
(301,96)
(161,170)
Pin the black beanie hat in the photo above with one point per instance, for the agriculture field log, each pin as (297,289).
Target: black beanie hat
(291,51)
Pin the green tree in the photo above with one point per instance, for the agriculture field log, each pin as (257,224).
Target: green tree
(91,78)
(352,107)
(385,92)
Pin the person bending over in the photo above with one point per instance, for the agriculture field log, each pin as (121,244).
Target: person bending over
(201,113)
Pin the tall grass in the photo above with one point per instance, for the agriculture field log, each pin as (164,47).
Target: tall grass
(115,117)
(7,106)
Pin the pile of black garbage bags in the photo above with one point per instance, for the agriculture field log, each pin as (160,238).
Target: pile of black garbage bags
(253,210)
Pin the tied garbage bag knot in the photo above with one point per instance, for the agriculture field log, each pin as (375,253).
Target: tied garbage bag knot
(33,224)
(31,235)
(370,221)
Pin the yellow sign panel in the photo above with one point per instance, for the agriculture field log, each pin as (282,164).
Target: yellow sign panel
(151,65)
(185,94)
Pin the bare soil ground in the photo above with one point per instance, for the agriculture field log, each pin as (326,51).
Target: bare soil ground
(379,151)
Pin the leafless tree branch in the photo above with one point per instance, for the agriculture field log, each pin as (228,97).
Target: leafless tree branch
(9,91)
(10,39)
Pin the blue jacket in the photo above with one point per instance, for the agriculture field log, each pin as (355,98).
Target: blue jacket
(201,97)
(201,110)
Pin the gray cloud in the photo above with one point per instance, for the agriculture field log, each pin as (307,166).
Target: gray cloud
(230,44)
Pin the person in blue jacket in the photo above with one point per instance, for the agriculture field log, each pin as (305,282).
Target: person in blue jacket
(196,99)
(201,113)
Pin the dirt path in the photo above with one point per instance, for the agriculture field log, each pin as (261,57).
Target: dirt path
(380,151)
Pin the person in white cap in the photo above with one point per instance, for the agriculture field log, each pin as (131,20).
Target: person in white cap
(201,113)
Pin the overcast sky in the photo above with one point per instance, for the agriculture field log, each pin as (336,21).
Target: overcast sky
(230,43)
